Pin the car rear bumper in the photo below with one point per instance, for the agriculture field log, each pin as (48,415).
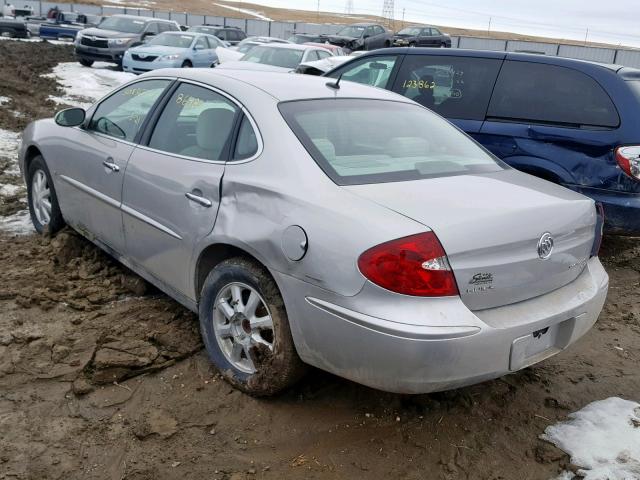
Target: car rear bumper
(134,66)
(621,210)
(100,54)
(419,345)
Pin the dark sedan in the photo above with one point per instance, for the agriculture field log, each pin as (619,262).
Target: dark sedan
(13,28)
(362,36)
(421,36)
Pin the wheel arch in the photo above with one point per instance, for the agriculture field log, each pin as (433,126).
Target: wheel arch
(32,152)
(541,168)
(213,254)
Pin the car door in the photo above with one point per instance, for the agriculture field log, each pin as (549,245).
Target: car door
(171,190)
(437,37)
(93,160)
(202,53)
(551,121)
(369,41)
(456,87)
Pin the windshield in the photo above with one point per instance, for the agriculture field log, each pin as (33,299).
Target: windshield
(352,31)
(358,141)
(171,40)
(122,24)
(278,57)
(412,31)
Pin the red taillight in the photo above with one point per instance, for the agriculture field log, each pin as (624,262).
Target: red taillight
(628,159)
(415,265)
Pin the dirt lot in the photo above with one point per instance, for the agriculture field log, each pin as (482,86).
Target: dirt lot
(103,377)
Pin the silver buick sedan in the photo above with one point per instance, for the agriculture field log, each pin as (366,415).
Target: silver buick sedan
(322,223)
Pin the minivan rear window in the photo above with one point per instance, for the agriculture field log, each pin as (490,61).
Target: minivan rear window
(361,141)
(540,93)
(454,87)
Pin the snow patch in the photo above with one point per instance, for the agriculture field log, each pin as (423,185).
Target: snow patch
(84,86)
(4,100)
(9,143)
(10,190)
(18,223)
(246,11)
(603,439)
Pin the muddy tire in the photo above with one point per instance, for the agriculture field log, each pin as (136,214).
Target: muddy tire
(43,202)
(245,328)
(85,63)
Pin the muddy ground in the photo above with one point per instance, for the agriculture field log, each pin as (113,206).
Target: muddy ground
(103,377)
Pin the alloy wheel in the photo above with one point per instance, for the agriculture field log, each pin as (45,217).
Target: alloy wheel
(241,321)
(41,197)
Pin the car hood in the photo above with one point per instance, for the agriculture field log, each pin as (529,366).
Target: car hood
(99,32)
(157,50)
(323,65)
(490,226)
(240,65)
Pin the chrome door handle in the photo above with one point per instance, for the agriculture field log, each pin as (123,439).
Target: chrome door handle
(111,166)
(205,202)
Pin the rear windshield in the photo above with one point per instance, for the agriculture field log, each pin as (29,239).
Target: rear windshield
(359,141)
(172,40)
(121,24)
(278,57)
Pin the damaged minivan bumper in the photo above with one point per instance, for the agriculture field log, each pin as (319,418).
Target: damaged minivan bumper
(420,345)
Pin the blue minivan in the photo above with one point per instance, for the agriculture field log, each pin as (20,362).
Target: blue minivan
(571,122)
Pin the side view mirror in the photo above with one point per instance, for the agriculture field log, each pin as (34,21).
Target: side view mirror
(198,47)
(147,35)
(70,117)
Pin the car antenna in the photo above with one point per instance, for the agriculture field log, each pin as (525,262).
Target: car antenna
(336,85)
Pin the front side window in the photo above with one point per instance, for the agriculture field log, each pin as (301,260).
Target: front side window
(196,122)
(122,114)
(369,71)
(541,93)
(152,28)
(455,87)
(278,57)
(166,27)
(322,54)
(378,30)
(358,141)
(202,44)
(410,31)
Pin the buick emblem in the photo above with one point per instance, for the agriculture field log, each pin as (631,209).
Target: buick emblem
(142,55)
(545,245)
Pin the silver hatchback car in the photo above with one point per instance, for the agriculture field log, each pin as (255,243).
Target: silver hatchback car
(330,224)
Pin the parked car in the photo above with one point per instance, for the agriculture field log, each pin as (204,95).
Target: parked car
(248,43)
(334,49)
(571,122)
(172,49)
(306,38)
(395,253)
(421,36)
(117,33)
(277,57)
(65,25)
(10,10)
(230,35)
(13,28)
(362,36)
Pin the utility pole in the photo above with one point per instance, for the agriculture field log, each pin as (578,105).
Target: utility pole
(318,12)
(387,11)
(586,35)
(489,29)
(403,17)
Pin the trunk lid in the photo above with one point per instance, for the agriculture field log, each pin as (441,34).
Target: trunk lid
(490,225)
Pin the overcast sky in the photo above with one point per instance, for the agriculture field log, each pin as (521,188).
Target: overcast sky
(613,21)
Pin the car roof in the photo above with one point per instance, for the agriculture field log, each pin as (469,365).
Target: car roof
(144,19)
(288,46)
(363,24)
(280,86)
(500,55)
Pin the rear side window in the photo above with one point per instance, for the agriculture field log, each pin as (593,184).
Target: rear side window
(370,71)
(541,93)
(358,141)
(247,143)
(455,87)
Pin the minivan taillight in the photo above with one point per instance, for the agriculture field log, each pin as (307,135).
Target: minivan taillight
(628,159)
(414,265)
(597,241)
